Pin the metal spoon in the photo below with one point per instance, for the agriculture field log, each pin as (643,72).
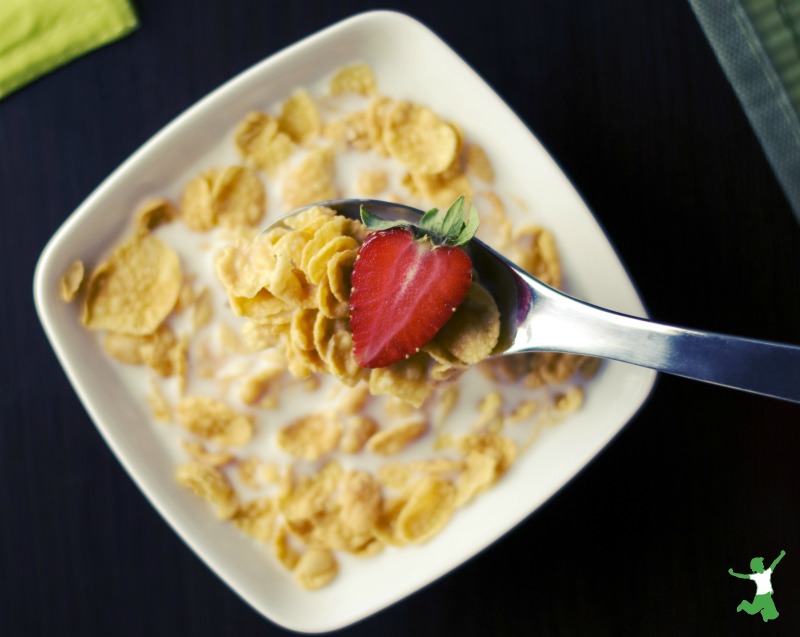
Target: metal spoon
(536,317)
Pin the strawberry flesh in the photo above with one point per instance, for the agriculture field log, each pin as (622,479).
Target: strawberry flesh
(404,291)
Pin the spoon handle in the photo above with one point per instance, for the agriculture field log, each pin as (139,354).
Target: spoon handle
(557,322)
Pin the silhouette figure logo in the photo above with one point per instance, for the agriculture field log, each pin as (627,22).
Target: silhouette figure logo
(762,602)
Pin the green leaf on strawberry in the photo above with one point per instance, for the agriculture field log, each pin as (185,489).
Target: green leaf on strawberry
(453,228)
(407,282)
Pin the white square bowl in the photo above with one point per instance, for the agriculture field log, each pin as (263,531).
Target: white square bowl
(416,65)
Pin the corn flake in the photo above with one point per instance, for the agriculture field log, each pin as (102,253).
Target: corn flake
(386,526)
(310,437)
(495,227)
(351,400)
(405,379)
(256,387)
(215,421)
(336,131)
(376,114)
(300,118)
(237,198)
(302,363)
(327,302)
(211,485)
(263,307)
(472,332)
(311,219)
(307,497)
(569,401)
(315,569)
(288,283)
(478,163)
(186,296)
(124,347)
(437,465)
(70,283)
(418,139)
(427,511)
(261,144)
(480,473)
(331,229)
(396,475)
(247,472)
(371,182)
(246,268)
(197,451)
(355,78)
(534,250)
(340,359)
(317,267)
(252,131)
(391,441)
(398,408)
(370,549)
(360,502)
(162,351)
(197,210)
(524,410)
(159,405)
(440,189)
(283,549)
(355,132)
(445,403)
(203,311)
(490,408)
(359,429)
(257,518)
(155,213)
(500,448)
(312,180)
(335,512)
(270,473)
(134,289)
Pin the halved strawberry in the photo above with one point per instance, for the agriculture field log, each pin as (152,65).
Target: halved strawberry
(407,282)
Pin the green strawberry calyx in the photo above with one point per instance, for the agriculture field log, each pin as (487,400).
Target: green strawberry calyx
(452,228)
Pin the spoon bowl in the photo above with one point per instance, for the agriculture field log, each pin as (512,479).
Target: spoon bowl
(537,317)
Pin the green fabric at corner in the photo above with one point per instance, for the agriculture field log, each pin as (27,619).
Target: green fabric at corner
(757,43)
(37,36)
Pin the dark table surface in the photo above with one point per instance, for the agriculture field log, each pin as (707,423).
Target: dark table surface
(629,99)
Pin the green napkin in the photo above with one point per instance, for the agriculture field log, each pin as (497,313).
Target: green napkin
(37,36)
(757,43)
